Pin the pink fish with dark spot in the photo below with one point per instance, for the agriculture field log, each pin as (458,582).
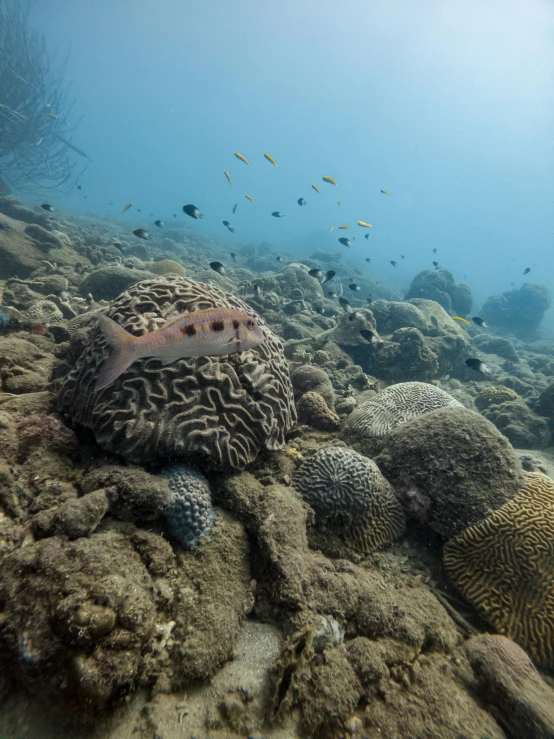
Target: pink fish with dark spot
(204,333)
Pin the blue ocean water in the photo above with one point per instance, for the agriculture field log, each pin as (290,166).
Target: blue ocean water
(447,105)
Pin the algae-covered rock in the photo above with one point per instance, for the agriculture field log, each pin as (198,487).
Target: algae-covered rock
(451,466)
(524,429)
(106,283)
(166,267)
(518,310)
(439,285)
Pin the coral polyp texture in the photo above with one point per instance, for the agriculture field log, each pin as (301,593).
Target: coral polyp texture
(219,411)
(351,497)
(190,515)
(504,566)
(396,405)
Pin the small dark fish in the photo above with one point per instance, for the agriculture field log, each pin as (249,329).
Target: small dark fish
(228,225)
(355,314)
(366,236)
(158,223)
(370,299)
(235,207)
(393,263)
(402,256)
(343,302)
(218,267)
(192,211)
(79,187)
(328,276)
(279,259)
(525,271)
(345,242)
(434,251)
(277,214)
(301,201)
(142,233)
(257,289)
(479,321)
(174,215)
(317,273)
(436,265)
(478,365)
(151,215)
(369,336)
(354,287)
(118,244)
(233,255)
(139,210)
(368,260)
(331,294)
(47,206)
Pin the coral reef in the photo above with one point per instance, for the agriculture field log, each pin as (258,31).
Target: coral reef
(190,514)
(396,405)
(106,283)
(217,411)
(313,410)
(503,565)
(439,285)
(166,267)
(519,424)
(451,466)
(490,396)
(518,311)
(498,345)
(351,497)
(313,379)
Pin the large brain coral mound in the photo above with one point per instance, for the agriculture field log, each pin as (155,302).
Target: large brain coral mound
(518,310)
(397,405)
(351,497)
(190,515)
(505,566)
(439,285)
(451,467)
(220,411)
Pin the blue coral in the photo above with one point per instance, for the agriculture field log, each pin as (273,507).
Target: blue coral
(190,515)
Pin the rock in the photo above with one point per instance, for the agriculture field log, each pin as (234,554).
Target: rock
(73,518)
(518,310)
(313,410)
(166,267)
(439,285)
(106,283)
(498,345)
(545,404)
(313,379)
(519,424)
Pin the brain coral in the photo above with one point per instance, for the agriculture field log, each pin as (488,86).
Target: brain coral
(221,411)
(397,405)
(190,515)
(351,496)
(494,396)
(505,566)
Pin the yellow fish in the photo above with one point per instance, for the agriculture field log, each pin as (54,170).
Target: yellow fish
(344,226)
(241,157)
(385,192)
(459,318)
(332,228)
(316,188)
(249,197)
(271,159)
(330,180)
(227,175)
(52,115)
(363,224)
(126,208)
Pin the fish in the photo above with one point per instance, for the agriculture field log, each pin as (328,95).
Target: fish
(158,223)
(301,201)
(368,260)
(402,256)
(228,226)
(344,227)
(126,208)
(48,207)
(462,320)
(227,175)
(139,210)
(141,233)
(345,242)
(328,276)
(366,236)
(343,302)
(79,187)
(435,264)
(277,214)
(174,215)
(192,211)
(39,142)
(235,207)
(257,289)
(330,180)
(317,273)
(53,115)
(479,321)
(233,255)
(338,203)
(271,159)
(217,267)
(434,251)
(369,299)
(279,259)
(385,192)
(249,197)
(316,188)
(354,287)
(210,332)
(364,224)
(526,270)
(368,335)
(332,228)
(478,365)
(332,294)
(11,320)
(393,263)
(241,157)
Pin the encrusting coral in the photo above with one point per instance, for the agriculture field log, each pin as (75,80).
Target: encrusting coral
(190,514)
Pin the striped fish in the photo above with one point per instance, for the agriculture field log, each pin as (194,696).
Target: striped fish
(204,333)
